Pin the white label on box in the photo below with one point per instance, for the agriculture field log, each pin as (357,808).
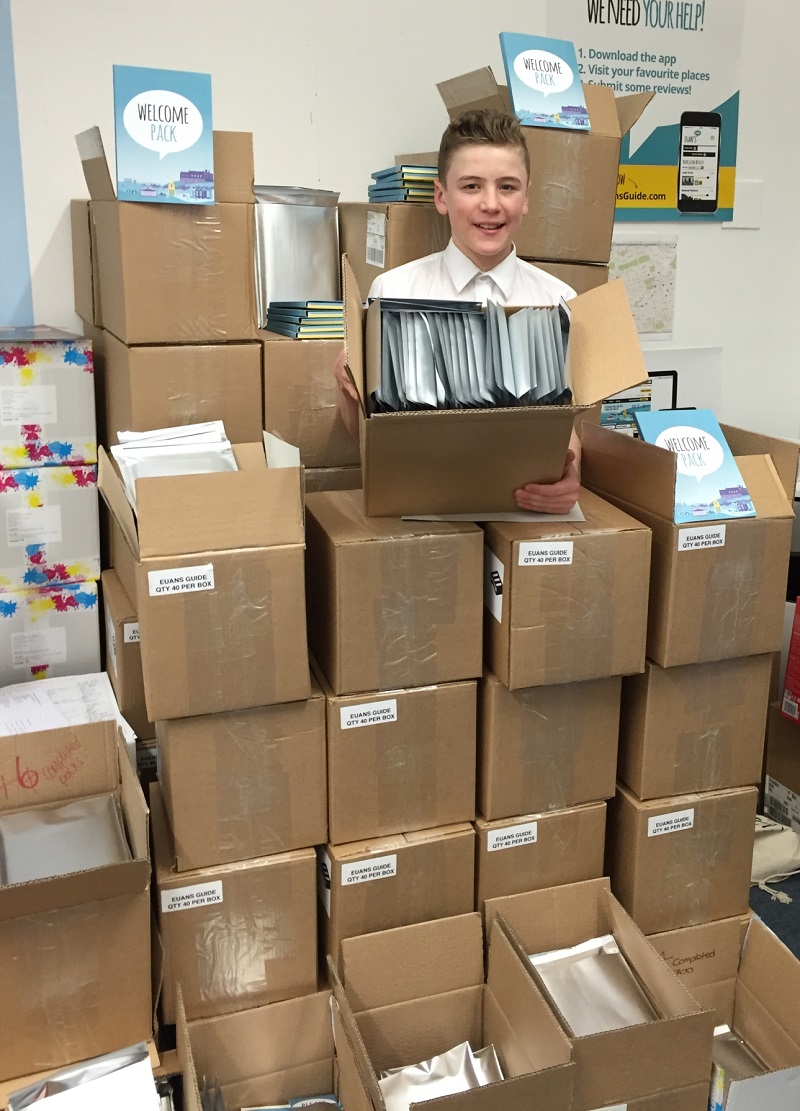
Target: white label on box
(670,823)
(33,526)
(147,758)
(28,405)
(781,804)
(324,873)
(45,646)
(186,898)
(363,871)
(701,536)
(789,705)
(181,580)
(376,239)
(494,574)
(368,713)
(553,553)
(511,837)
(130,632)
(111,641)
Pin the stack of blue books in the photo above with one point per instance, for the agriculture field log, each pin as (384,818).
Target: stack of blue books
(306,319)
(403,183)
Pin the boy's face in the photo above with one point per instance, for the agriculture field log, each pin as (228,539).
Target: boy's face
(485,196)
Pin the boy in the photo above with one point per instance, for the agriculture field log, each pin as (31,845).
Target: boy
(484,176)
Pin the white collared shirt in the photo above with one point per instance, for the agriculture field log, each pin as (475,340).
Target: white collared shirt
(449,275)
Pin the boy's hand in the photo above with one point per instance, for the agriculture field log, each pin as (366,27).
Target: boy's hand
(558,497)
(343,379)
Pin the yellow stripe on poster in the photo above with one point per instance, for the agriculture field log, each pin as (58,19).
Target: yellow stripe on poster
(656,187)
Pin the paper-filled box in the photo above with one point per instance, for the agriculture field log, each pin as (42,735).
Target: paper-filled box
(124,654)
(74,899)
(391,603)
(717,589)
(46,399)
(379,237)
(235,935)
(245,783)
(566,602)
(217,567)
(49,631)
(546,748)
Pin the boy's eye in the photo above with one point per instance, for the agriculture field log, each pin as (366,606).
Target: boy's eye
(509,187)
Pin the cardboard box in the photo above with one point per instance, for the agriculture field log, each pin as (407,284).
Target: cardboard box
(75,949)
(379,237)
(301,399)
(49,527)
(717,590)
(441,999)
(634,1062)
(699,727)
(566,602)
(582,276)
(573,187)
(124,655)
(472,460)
(159,387)
(236,935)
(391,604)
(319,479)
(147,762)
(49,631)
(782,778)
(84,276)
(262,1056)
(538,850)
(246,783)
(682,860)
(546,748)
(400,760)
(46,398)
(385,882)
(239,639)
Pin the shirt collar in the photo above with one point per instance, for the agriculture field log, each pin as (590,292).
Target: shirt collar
(462,270)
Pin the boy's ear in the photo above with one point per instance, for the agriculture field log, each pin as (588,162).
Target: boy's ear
(439,197)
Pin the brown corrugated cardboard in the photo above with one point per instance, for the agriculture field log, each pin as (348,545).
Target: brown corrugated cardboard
(262,1056)
(234,172)
(237,935)
(86,286)
(400,760)
(75,949)
(124,655)
(538,850)
(634,1062)
(379,237)
(566,602)
(573,187)
(408,994)
(391,603)
(708,600)
(246,783)
(301,399)
(385,882)
(471,460)
(782,779)
(319,479)
(682,860)
(240,640)
(546,748)
(582,276)
(699,727)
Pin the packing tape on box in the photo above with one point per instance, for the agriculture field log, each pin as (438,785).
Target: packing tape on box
(409,767)
(536,763)
(730,593)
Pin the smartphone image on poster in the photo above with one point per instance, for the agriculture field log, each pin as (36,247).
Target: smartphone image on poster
(698,162)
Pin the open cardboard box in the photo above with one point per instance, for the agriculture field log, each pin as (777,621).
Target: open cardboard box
(408,994)
(471,460)
(634,1062)
(75,949)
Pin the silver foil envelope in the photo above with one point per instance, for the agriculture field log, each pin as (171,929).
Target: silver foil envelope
(83,1073)
(593,986)
(457,1070)
(42,842)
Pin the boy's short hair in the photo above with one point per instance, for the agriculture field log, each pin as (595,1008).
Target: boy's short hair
(484,126)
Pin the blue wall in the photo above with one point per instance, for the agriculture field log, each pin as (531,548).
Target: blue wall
(16,301)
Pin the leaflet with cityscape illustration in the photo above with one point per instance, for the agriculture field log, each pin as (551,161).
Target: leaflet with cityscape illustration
(708,484)
(164,137)
(544,81)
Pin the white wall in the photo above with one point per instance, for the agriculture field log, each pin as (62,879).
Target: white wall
(331,90)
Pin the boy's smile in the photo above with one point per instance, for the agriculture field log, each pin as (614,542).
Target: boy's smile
(485,196)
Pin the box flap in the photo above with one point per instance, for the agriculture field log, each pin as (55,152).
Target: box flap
(604,354)
(638,473)
(477,89)
(630,108)
(602,110)
(115,597)
(353,328)
(234,173)
(764,486)
(32,765)
(93,886)
(768,986)
(95,165)
(110,486)
(784,453)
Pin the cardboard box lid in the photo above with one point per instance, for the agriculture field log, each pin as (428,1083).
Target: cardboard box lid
(341,515)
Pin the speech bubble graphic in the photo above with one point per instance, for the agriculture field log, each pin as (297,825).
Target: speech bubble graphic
(163,121)
(699,453)
(543,71)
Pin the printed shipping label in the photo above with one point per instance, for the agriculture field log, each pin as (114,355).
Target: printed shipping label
(185,898)
(28,405)
(111,641)
(703,536)
(130,632)
(379,868)
(45,646)
(549,554)
(324,873)
(494,574)
(511,837)
(181,580)
(368,713)
(33,526)
(670,823)
(376,239)
(780,803)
